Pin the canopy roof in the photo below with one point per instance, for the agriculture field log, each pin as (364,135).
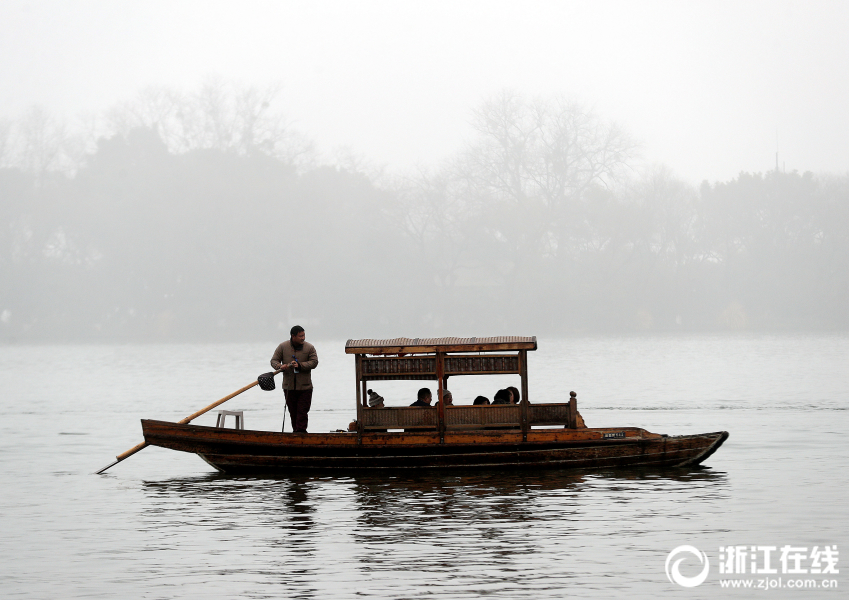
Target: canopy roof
(445,344)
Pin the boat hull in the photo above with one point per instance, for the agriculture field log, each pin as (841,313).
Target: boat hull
(245,451)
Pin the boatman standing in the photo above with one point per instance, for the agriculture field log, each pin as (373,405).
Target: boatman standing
(297,358)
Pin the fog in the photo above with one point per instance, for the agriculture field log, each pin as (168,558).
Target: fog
(197,171)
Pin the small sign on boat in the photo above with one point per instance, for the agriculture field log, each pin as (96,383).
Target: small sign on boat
(613,434)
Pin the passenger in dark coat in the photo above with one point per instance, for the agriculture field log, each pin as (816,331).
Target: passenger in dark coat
(424,398)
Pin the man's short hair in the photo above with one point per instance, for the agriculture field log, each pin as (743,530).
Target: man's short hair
(424,393)
(295,330)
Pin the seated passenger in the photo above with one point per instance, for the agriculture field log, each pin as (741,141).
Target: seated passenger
(375,400)
(515,392)
(447,398)
(481,400)
(424,398)
(502,397)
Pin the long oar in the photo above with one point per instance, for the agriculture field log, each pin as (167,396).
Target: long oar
(188,419)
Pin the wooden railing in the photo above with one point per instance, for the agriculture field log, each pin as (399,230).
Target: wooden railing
(402,417)
(471,417)
(553,414)
(474,417)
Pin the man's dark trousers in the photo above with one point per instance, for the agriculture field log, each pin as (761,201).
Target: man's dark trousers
(298,402)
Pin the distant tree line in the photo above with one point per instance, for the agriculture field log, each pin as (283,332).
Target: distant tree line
(202,216)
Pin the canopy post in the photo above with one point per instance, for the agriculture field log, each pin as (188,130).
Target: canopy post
(523,359)
(440,379)
(358,374)
(523,369)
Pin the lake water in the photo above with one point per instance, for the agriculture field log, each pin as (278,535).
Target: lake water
(162,524)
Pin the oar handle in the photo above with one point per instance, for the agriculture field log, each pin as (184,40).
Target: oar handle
(131,451)
(188,419)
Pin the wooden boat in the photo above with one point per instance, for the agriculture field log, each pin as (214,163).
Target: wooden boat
(528,434)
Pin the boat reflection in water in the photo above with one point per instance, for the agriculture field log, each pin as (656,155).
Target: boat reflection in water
(304,502)
(529,533)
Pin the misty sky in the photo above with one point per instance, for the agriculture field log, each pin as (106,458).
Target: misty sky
(710,88)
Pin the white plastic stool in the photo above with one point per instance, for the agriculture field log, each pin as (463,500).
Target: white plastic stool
(240,418)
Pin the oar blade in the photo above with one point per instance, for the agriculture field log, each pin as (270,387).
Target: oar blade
(109,466)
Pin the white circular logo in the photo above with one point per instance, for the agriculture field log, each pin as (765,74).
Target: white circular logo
(674,575)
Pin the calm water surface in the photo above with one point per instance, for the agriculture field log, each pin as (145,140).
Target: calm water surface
(163,525)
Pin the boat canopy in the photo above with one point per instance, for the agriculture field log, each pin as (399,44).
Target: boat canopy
(444,344)
(438,359)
